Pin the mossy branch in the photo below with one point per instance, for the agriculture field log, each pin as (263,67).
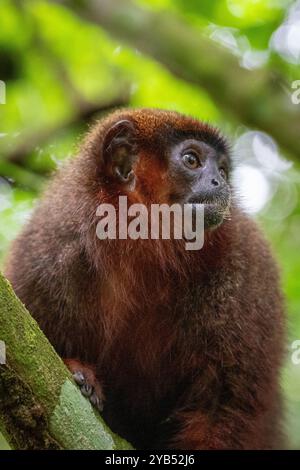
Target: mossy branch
(259,98)
(40,405)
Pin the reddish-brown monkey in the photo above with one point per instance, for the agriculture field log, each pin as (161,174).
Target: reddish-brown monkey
(186,345)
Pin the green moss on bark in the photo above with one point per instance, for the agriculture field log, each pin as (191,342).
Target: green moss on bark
(41,407)
(28,351)
(23,418)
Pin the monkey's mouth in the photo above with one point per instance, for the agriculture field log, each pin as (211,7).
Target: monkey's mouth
(216,209)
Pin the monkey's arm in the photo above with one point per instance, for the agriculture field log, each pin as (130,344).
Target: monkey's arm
(233,406)
(231,426)
(239,411)
(233,400)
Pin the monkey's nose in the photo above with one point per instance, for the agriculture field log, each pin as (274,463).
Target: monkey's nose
(215,182)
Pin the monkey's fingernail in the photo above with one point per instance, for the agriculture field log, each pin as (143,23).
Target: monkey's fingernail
(100,405)
(96,402)
(79,377)
(86,390)
(94,399)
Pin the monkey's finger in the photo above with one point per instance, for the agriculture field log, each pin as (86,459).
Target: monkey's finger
(86,390)
(79,378)
(96,401)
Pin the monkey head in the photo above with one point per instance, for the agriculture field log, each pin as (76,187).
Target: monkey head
(200,172)
(156,156)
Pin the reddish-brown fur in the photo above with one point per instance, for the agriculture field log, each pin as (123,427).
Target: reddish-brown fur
(187,345)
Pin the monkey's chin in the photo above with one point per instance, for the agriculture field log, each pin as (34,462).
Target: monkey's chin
(214,216)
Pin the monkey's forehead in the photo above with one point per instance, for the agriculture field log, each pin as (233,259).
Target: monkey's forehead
(155,129)
(157,124)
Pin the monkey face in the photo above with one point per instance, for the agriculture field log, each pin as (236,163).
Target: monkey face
(181,161)
(200,175)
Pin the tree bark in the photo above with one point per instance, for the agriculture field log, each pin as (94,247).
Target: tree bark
(259,98)
(40,405)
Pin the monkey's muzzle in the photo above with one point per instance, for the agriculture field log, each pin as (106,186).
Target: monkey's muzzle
(216,207)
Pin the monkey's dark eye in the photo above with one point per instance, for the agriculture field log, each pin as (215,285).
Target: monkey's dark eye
(191,160)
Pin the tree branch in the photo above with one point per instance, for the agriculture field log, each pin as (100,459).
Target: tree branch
(83,113)
(84,110)
(40,405)
(258,98)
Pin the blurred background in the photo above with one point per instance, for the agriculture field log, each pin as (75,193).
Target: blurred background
(233,63)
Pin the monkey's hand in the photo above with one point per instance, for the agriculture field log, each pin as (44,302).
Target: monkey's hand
(85,377)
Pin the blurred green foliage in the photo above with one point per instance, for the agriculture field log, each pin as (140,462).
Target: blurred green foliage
(53,62)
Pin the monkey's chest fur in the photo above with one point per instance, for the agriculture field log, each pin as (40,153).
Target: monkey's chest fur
(152,353)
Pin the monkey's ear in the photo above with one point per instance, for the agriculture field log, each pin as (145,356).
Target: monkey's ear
(120,151)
